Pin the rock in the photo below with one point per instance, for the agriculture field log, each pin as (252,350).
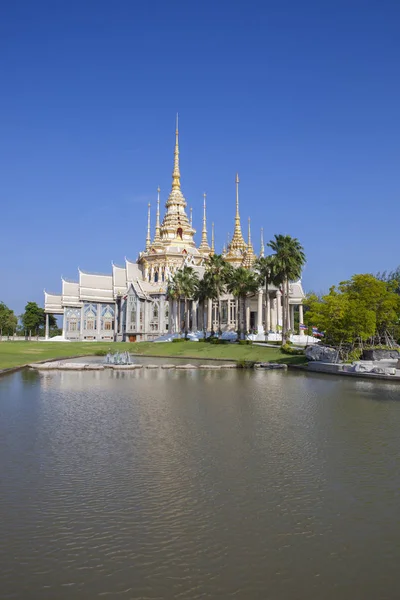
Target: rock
(151,366)
(185,367)
(384,371)
(94,367)
(270,366)
(209,367)
(322,354)
(363,367)
(229,366)
(380,354)
(127,367)
(168,366)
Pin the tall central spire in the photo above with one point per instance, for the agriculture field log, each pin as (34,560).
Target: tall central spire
(176,176)
(176,228)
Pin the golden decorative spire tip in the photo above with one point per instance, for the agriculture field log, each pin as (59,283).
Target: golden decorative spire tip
(148,238)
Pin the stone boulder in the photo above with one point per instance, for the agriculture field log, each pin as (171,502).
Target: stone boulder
(384,371)
(380,354)
(321,354)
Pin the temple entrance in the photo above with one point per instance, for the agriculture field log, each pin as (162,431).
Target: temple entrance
(253,316)
(132,338)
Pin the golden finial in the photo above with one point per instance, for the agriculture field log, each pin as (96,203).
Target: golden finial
(148,238)
(262,249)
(212,238)
(176,182)
(191,217)
(249,236)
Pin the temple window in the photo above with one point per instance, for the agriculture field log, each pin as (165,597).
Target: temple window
(156,277)
(224,311)
(179,233)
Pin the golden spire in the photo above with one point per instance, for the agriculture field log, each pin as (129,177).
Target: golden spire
(212,238)
(176,176)
(262,249)
(204,247)
(191,217)
(157,236)
(148,238)
(250,256)
(237,245)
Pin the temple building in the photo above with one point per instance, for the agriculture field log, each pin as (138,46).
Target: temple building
(131,302)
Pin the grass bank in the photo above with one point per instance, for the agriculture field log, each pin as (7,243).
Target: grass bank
(14,354)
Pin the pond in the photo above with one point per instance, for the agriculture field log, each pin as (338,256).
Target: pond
(189,484)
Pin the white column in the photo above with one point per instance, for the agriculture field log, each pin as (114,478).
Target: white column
(64,329)
(267,313)
(187,316)
(279,308)
(47,327)
(209,315)
(98,322)
(301,317)
(291,306)
(194,315)
(247,315)
(273,314)
(260,328)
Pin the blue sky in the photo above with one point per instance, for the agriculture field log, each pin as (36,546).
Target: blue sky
(301,98)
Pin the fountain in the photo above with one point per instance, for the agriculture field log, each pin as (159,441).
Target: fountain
(118,358)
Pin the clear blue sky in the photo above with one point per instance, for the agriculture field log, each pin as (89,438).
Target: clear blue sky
(301,98)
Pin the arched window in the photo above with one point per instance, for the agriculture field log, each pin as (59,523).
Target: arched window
(179,233)
(156,277)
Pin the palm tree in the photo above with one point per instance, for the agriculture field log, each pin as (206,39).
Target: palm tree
(265,266)
(241,283)
(289,261)
(218,272)
(174,293)
(183,285)
(203,292)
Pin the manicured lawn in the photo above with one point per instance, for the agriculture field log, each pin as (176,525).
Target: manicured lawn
(14,354)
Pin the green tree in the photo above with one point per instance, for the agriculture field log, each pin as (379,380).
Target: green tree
(8,320)
(265,266)
(242,283)
(289,261)
(218,273)
(204,292)
(33,318)
(359,310)
(183,286)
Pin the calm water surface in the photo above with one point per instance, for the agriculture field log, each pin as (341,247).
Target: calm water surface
(163,484)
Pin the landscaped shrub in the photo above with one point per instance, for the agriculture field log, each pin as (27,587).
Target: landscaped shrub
(287,349)
(245,364)
(176,340)
(101,353)
(245,342)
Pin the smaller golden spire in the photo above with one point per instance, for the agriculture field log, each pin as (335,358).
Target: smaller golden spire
(249,256)
(262,249)
(237,246)
(191,217)
(157,236)
(212,238)
(148,238)
(204,247)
